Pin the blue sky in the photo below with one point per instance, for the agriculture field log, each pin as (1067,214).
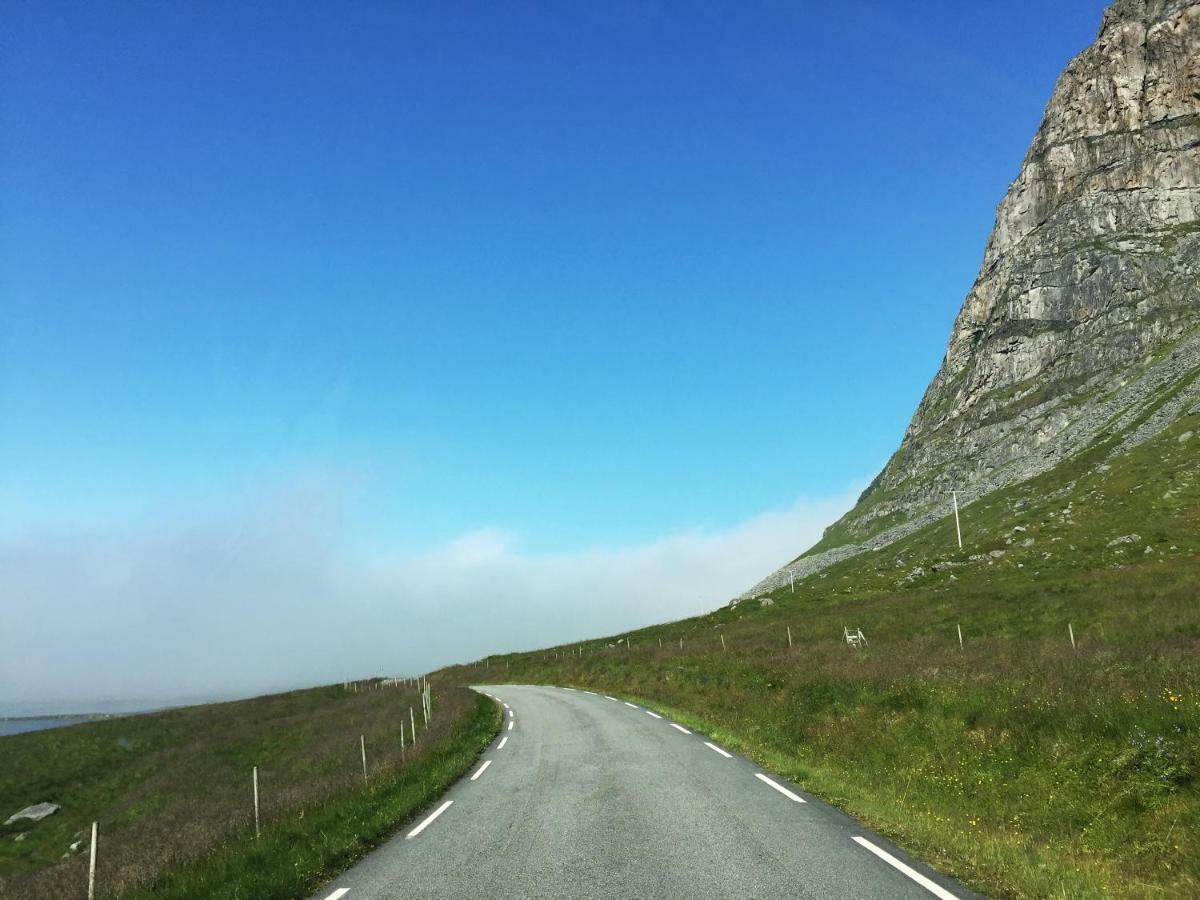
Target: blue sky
(584,275)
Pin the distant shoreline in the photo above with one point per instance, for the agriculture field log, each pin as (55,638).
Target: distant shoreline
(64,717)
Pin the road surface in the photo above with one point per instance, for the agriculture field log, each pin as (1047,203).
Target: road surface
(583,795)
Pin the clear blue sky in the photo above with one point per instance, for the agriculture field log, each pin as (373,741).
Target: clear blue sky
(592,272)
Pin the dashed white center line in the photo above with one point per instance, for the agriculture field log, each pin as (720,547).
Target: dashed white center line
(510,724)
(503,741)
(656,715)
(718,749)
(936,889)
(680,728)
(779,787)
(340,892)
(481,769)
(634,705)
(437,812)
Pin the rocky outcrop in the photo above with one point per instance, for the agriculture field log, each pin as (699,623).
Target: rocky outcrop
(1087,304)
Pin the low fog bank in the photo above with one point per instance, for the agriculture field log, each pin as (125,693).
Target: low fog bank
(270,596)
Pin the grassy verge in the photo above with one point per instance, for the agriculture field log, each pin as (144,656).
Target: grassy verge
(172,791)
(297,854)
(1021,764)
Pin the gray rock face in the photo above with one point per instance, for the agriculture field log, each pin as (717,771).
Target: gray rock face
(36,813)
(1087,306)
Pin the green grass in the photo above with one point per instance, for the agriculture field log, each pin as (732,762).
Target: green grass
(1023,766)
(172,791)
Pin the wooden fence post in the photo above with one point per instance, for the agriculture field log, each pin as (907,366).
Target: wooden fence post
(92,866)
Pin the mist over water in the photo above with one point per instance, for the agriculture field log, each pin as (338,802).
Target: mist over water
(273,595)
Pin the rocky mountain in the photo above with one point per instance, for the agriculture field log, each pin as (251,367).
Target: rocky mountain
(1083,324)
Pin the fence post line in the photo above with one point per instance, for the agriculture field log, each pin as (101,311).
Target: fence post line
(960,643)
(789,628)
(722,642)
(257,830)
(92,866)
(362,743)
(412,719)
(402,737)
(1071,631)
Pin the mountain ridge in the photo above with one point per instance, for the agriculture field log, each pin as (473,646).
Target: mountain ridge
(1086,308)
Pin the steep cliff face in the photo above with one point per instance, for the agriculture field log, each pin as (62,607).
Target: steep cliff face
(1084,316)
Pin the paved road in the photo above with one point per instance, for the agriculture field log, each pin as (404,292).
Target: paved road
(586,796)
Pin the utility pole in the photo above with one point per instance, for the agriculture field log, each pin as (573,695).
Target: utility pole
(957,527)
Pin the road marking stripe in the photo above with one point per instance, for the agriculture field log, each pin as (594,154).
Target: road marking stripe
(680,728)
(503,741)
(340,892)
(779,787)
(511,714)
(568,689)
(506,706)
(656,715)
(481,770)
(936,889)
(510,724)
(586,691)
(609,698)
(635,706)
(437,812)
(718,749)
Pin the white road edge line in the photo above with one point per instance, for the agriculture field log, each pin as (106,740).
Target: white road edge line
(511,714)
(481,769)
(634,705)
(506,706)
(936,889)
(606,697)
(503,741)
(718,749)
(340,892)
(656,715)
(510,724)
(586,691)
(779,787)
(680,728)
(568,689)
(437,812)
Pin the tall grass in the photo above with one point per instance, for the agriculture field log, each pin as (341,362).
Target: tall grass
(172,790)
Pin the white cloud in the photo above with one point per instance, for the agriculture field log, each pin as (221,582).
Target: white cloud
(269,596)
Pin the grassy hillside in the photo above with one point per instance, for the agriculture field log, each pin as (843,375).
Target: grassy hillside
(172,791)
(1024,766)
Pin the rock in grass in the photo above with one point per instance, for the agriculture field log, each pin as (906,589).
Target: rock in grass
(34,813)
(1124,539)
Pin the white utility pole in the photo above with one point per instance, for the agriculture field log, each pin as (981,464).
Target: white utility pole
(957,528)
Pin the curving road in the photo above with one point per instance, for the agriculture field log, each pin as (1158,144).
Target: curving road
(582,795)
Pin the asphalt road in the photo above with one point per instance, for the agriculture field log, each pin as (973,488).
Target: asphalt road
(586,796)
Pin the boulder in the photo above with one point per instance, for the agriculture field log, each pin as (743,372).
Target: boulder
(34,813)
